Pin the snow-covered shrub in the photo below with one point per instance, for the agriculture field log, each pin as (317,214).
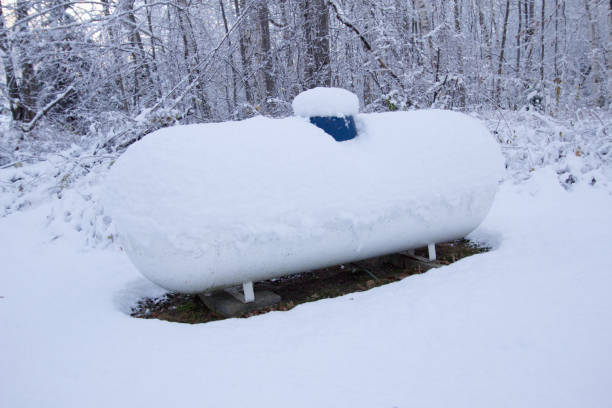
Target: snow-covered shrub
(579,148)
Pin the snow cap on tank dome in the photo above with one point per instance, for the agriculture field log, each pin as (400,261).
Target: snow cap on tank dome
(330,109)
(325,102)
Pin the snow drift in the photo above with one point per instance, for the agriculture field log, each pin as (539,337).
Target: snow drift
(207,206)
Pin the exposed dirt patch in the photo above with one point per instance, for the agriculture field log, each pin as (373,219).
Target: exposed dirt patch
(310,286)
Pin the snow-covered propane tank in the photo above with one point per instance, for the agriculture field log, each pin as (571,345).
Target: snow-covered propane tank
(207,206)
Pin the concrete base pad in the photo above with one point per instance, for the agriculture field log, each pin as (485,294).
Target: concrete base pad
(228,306)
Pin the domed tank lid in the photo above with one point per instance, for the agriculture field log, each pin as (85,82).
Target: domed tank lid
(331,109)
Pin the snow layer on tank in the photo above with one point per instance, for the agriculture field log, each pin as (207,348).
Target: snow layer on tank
(325,102)
(212,205)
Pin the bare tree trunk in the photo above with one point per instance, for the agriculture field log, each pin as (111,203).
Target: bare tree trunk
(199,100)
(501,53)
(231,105)
(424,29)
(485,38)
(246,63)
(606,54)
(316,28)
(187,54)
(460,89)
(595,68)
(556,45)
(529,32)
(288,36)
(154,68)
(142,70)
(14,97)
(27,88)
(557,76)
(117,59)
(485,33)
(543,17)
(609,60)
(436,75)
(518,37)
(264,53)
(458,34)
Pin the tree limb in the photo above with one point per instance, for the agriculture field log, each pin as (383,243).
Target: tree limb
(26,127)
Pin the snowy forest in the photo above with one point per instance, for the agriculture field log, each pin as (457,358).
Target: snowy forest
(83,68)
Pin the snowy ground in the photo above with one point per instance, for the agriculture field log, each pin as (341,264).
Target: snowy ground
(528,324)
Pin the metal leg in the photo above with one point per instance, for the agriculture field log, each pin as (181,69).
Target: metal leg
(249,294)
(432,251)
(246,296)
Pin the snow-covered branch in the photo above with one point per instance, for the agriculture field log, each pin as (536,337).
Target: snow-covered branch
(26,127)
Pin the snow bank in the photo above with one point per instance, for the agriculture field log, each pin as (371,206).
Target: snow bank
(326,102)
(527,325)
(206,206)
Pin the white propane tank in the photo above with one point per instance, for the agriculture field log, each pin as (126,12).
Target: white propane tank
(208,206)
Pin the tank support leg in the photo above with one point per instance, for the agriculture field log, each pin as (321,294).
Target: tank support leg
(432,251)
(249,294)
